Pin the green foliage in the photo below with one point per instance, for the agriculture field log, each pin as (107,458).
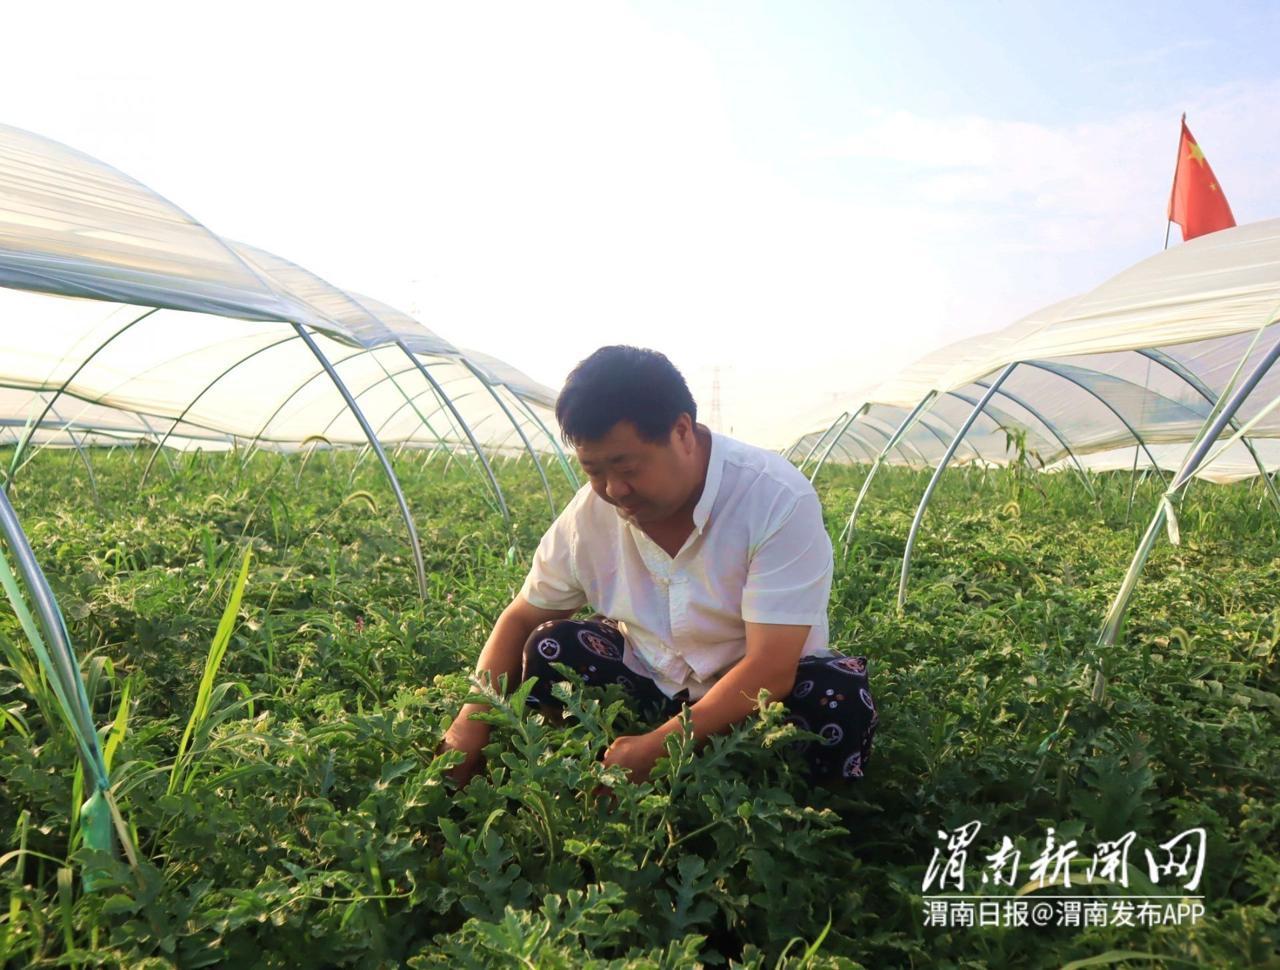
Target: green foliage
(272,735)
(210,707)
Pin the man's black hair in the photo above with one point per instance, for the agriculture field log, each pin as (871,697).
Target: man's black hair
(623,384)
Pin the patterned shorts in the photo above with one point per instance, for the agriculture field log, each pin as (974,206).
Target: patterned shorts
(831,697)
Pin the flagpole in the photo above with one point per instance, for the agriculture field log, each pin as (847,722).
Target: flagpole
(1177,161)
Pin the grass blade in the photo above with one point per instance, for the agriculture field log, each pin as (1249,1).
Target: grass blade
(217,650)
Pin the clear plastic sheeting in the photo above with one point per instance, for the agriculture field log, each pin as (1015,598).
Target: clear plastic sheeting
(126,320)
(139,369)
(1139,362)
(500,372)
(123,320)
(1234,465)
(72,225)
(92,424)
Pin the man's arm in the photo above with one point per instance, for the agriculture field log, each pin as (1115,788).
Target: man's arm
(773,653)
(502,654)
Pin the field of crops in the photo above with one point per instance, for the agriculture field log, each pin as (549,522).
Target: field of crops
(307,822)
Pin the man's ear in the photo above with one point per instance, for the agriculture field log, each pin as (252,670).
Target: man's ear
(683,431)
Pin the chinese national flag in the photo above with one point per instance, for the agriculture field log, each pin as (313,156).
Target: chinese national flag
(1197,203)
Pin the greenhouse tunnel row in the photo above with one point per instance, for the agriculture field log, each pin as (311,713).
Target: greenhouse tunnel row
(130,324)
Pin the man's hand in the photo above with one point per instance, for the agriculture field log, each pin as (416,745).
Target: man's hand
(637,753)
(500,657)
(469,737)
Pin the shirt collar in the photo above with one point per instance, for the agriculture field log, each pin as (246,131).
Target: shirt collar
(710,487)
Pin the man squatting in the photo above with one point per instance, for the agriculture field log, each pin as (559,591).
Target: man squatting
(708,566)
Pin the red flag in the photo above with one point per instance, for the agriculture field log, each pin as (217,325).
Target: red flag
(1196,203)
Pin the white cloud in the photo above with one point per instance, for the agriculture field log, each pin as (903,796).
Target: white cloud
(1050,182)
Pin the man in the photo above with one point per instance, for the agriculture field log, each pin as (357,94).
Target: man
(709,567)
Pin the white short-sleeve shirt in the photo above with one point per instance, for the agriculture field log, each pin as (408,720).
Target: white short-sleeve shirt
(759,553)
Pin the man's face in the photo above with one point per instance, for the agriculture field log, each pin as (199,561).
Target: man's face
(645,481)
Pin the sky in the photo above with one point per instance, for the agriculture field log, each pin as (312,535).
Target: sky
(791,200)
